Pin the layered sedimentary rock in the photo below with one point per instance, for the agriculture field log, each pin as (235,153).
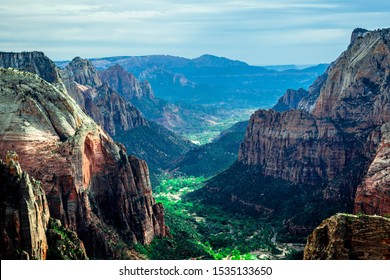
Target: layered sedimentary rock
(100,101)
(373,194)
(295,146)
(34,62)
(24,213)
(345,237)
(357,90)
(110,110)
(89,181)
(343,123)
(126,84)
(333,144)
(290,100)
(83,72)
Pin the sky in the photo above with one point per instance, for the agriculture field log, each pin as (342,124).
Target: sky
(258,32)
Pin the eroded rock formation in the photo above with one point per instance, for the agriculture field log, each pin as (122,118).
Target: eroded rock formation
(338,123)
(89,181)
(373,194)
(126,84)
(345,237)
(24,213)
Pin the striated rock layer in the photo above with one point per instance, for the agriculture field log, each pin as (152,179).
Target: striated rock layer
(101,102)
(126,84)
(337,126)
(24,213)
(89,181)
(295,146)
(373,194)
(346,237)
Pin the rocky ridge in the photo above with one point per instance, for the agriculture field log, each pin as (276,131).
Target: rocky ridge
(83,172)
(342,125)
(24,213)
(326,154)
(373,194)
(349,237)
(126,84)
(99,100)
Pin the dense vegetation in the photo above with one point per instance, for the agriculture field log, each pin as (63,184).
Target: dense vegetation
(200,231)
(155,144)
(213,158)
(293,210)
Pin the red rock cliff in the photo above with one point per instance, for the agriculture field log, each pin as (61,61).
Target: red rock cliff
(342,125)
(373,194)
(294,146)
(24,213)
(89,181)
(345,237)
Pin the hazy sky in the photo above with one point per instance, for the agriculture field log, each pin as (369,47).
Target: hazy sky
(258,32)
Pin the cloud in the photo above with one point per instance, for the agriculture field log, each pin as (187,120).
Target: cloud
(259,32)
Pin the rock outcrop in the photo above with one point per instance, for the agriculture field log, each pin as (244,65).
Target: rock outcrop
(340,126)
(89,181)
(290,100)
(24,213)
(295,146)
(373,194)
(34,62)
(346,237)
(330,148)
(110,110)
(126,84)
(99,100)
(83,72)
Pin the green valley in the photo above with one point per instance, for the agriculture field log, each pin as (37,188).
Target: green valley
(200,231)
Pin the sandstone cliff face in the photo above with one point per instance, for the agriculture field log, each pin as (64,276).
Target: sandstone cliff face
(100,101)
(345,237)
(357,92)
(126,84)
(83,72)
(290,100)
(342,124)
(89,181)
(110,110)
(295,146)
(373,194)
(24,213)
(34,62)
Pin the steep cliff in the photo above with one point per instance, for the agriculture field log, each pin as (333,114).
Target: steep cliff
(295,146)
(107,108)
(356,92)
(346,237)
(100,101)
(126,84)
(34,62)
(373,194)
(83,72)
(290,100)
(111,105)
(24,213)
(90,183)
(344,124)
(325,146)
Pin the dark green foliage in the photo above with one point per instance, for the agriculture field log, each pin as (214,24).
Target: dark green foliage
(203,231)
(63,243)
(155,144)
(293,210)
(211,159)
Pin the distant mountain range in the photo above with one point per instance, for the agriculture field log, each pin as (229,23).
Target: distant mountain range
(211,79)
